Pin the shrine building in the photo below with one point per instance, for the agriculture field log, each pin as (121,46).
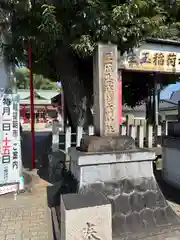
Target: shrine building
(43,108)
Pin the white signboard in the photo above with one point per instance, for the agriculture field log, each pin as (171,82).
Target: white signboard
(10,145)
(152,57)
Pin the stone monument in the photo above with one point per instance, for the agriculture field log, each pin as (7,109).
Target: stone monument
(85,217)
(112,165)
(105,84)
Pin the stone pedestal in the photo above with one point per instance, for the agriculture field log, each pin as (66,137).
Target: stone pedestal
(85,217)
(126,178)
(91,168)
(94,144)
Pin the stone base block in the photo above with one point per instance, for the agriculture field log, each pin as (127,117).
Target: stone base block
(126,179)
(95,144)
(89,168)
(85,217)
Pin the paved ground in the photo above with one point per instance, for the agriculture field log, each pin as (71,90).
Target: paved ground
(28,217)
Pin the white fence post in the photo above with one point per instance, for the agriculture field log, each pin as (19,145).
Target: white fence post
(149,136)
(158,130)
(91,130)
(122,130)
(140,136)
(132,131)
(67,138)
(158,134)
(55,136)
(165,128)
(79,135)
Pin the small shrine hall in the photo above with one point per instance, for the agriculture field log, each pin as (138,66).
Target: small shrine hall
(43,109)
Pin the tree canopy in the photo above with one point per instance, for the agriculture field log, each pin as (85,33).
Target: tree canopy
(80,24)
(64,34)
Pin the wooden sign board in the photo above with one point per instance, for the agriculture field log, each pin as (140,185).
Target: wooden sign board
(152,57)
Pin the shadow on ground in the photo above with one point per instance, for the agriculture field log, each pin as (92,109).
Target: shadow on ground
(172,194)
(43,142)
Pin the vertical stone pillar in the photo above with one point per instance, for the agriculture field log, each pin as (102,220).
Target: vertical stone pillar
(106,119)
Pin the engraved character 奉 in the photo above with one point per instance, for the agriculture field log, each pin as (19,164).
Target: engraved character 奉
(90,233)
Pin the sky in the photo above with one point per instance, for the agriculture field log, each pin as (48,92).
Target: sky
(166,93)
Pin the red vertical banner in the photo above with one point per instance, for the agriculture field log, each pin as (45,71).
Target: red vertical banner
(120,97)
(32,106)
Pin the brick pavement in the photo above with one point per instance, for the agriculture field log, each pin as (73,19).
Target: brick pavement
(26,218)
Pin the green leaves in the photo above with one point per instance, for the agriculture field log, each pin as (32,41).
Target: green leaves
(84,46)
(80,24)
(49,23)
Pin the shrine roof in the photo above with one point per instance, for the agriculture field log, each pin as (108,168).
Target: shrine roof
(137,108)
(167,104)
(163,41)
(40,94)
(175,96)
(163,105)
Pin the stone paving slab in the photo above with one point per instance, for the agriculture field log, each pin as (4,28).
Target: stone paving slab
(26,218)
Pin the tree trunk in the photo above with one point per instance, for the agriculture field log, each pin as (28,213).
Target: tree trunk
(77,98)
